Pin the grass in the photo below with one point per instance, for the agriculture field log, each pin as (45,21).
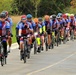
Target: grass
(14,33)
(15,19)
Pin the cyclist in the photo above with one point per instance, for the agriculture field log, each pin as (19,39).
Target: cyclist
(17,30)
(43,31)
(4,31)
(66,24)
(38,29)
(11,23)
(48,27)
(73,24)
(61,27)
(25,29)
(55,26)
(29,19)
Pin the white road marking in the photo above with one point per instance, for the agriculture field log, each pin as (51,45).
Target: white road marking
(51,65)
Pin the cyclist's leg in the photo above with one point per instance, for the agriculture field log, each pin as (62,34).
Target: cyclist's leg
(10,39)
(9,42)
(42,39)
(38,43)
(74,31)
(49,37)
(68,33)
(21,44)
(4,43)
(62,33)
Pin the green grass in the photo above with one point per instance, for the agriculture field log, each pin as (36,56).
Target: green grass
(14,34)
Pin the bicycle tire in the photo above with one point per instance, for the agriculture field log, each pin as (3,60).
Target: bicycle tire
(28,53)
(24,56)
(46,45)
(35,47)
(25,50)
(5,60)
(2,61)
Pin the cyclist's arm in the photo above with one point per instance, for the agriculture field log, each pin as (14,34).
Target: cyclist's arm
(31,28)
(11,22)
(7,27)
(20,29)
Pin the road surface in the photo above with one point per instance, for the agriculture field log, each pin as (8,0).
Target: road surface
(59,61)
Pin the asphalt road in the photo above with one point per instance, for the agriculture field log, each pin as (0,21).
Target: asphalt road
(59,61)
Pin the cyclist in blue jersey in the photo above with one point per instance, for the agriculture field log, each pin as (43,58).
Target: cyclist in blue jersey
(25,29)
(29,19)
(48,28)
(8,18)
(4,31)
(43,31)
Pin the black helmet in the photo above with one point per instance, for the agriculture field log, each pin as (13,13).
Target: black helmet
(53,16)
(2,15)
(40,19)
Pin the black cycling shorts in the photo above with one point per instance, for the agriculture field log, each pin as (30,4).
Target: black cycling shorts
(48,31)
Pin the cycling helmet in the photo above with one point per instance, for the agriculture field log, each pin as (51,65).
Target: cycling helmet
(72,16)
(53,16)
(64,16)
(36,20)
(59,14)
(6,12)
(46,17)
(2,15)
(29,16)
(23,17)
(58,17)
(40,19)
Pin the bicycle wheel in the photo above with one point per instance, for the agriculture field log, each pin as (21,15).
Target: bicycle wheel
(5,60)
(35,47)
(24,56)
(25,50)
(72,35)
(28,52)
(2,61)
(46,44)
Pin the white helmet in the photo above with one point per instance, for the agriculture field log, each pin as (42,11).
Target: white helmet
(51,17)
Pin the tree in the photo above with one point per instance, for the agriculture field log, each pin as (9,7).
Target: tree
(5,5)
(73,3)
(35,4)
(39,7)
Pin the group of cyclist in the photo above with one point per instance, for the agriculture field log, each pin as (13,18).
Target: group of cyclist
(63,23)
(37,28)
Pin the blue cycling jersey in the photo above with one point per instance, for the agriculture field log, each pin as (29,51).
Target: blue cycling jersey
(3,26)
(32,23)
(10,21)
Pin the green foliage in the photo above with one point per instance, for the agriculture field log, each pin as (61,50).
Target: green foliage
(35,7)
(14,33)
(70,10)
(5,5)
(40,7)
